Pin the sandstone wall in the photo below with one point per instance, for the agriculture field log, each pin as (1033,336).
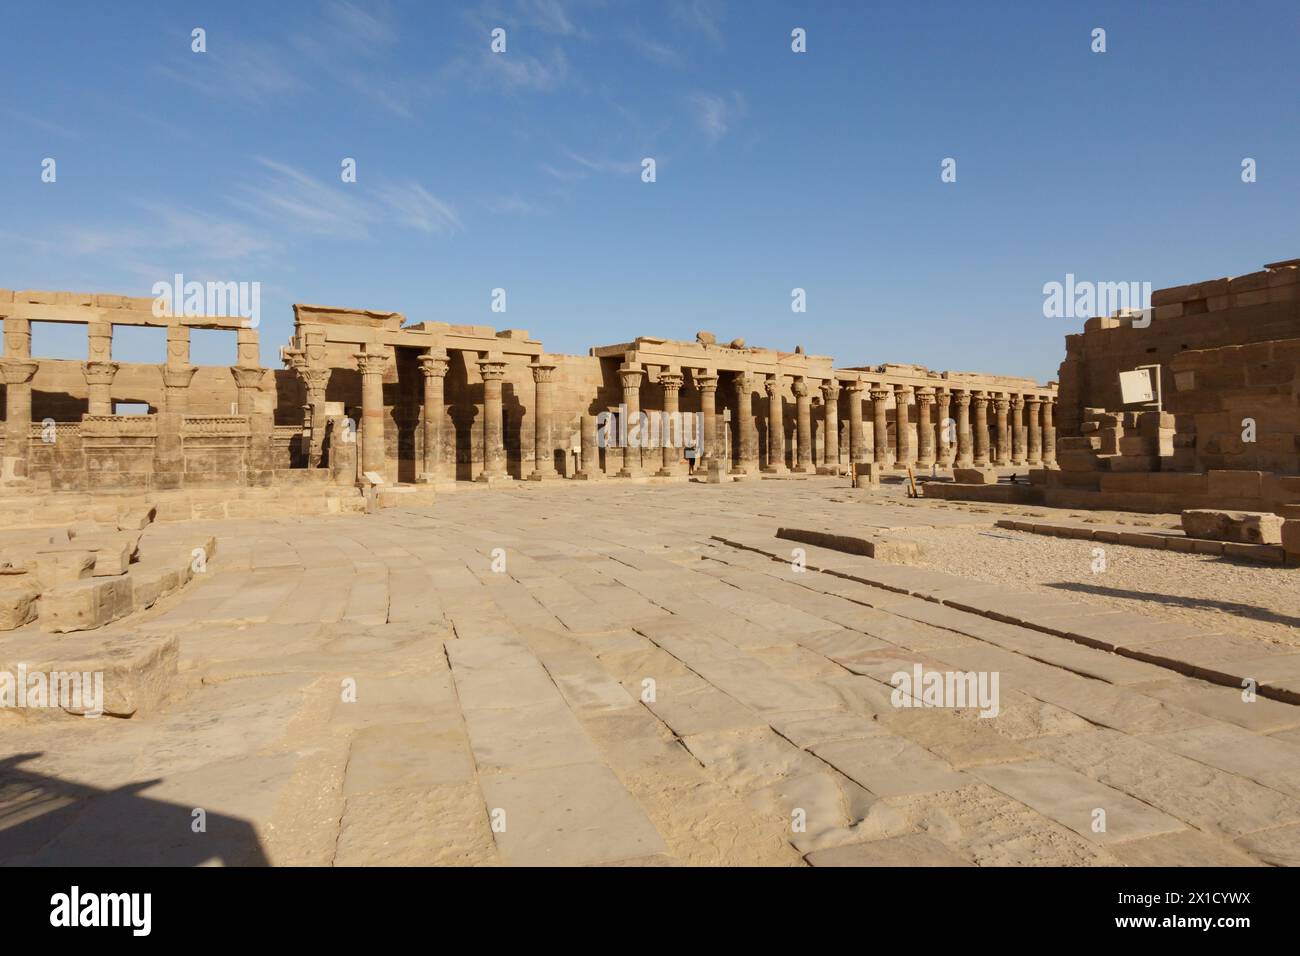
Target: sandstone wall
(1258,307)
(1219,392)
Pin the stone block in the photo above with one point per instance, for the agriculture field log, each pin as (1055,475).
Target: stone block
(975,476)
(83,605)
(716,475)
(1291,537)
(1247,527)
(136,519)
(1235,484)
(63,566)
(18,603)
(866,474)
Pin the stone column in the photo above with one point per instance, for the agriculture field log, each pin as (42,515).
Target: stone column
(981,402)
(803,425)
(961,411)
(902,422)
(856,451)
(671,382)
(947,433)
(248,382)
(631,379)
(1033,404)
(708,385)
(374,453)
(169,448)
(1017,429)
(543,452)
(433,366)
(745,435)
(924,428)
(831,426)
(590,450)
(18,374)
(775,425)
(880,425)
(494,447)
(315,379)
(99,384)
(1049,432)
(1002,454)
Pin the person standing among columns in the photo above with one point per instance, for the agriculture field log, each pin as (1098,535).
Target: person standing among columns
(980,400)
(433,366)
(831,427)
(924,428)
(543,451)
(803,425)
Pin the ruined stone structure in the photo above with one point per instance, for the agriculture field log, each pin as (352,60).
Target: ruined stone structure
(1227,432)
(365,397)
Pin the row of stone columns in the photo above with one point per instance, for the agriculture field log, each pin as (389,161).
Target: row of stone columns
(957,441)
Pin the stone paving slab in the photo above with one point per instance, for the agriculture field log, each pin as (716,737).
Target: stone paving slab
(1072,800)
(578,815)
(914,849)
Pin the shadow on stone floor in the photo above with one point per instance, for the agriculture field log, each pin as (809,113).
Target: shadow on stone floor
(48,821)
(1174,600)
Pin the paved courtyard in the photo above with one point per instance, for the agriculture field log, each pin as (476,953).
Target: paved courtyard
(605,673)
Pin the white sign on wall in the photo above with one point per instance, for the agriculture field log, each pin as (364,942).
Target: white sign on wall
(1136,386)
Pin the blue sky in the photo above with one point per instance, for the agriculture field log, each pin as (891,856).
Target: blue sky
(775,170)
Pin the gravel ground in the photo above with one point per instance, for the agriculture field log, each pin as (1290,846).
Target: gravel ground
(1244,598)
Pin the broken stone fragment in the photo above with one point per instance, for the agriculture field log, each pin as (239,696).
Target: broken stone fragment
(1248,527)
(18,604)
(87,604)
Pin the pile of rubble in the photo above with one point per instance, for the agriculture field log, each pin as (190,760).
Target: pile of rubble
(85,575)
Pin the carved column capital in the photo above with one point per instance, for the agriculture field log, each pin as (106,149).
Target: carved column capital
(925,396)
(99,373)
(492,370)
(247,376)
(880,393)
(706,381)
(960,397)
(830,390)
(18,371)
(671,381)
(178,376)
(371,363)
(433,366)
(800,387)
(772,385)
(631,377)
(315,378)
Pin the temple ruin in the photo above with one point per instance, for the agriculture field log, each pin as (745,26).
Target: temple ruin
(367,400)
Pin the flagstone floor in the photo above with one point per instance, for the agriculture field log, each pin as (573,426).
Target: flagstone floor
(591,674)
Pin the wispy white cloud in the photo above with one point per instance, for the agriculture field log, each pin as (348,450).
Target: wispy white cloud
(288,198)
(659,53)
(412,205)
(514,205)
(252,72)
(715,114)
(701,16)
